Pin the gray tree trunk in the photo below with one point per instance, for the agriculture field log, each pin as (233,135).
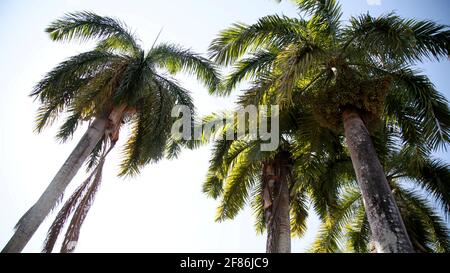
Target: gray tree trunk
(388,230)
(34,217)
(283,220)
(278,222)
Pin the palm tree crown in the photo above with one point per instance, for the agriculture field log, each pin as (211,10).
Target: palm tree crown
(369,63)
(114,85)
(118,73)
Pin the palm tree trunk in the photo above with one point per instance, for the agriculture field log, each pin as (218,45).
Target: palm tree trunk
(34,217)
(277,216)
(388,230)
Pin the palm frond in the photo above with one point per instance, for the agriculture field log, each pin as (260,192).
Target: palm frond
(68,128)
(295,62)
(428,173)
(258,207)
(331,231)
(358,232)
(149,134)
(238,183)
(429,230)
(217,171)
(86,25)
(258,63)
(271,31)
(73,231)
(391,36)
(95,155)
(176,59)
(431,107)
(299,214)
(61,219)
(60,86)
(182,96)
(326,13)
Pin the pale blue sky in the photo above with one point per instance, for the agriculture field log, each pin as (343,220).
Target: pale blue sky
(163,210)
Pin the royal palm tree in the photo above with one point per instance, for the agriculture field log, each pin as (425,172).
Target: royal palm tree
(115,84)
(346,227)
(240,171)
(321,174)
(350,76)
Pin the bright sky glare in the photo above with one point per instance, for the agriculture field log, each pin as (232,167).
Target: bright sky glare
(162,210)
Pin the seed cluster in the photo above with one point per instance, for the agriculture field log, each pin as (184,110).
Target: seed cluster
(348,92)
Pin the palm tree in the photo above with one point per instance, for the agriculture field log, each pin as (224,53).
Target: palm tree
(240,171)
(319,172)
(347,225)
(350,76)
(116,83)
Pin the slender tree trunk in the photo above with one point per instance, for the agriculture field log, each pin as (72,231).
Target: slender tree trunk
(277,213)
(33,218)
(388,230)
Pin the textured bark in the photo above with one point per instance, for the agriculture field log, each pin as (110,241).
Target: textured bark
(114,122)
(276,205)
(388,230)
(33,218)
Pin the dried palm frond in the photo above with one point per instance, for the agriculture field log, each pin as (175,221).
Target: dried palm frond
(78,204)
